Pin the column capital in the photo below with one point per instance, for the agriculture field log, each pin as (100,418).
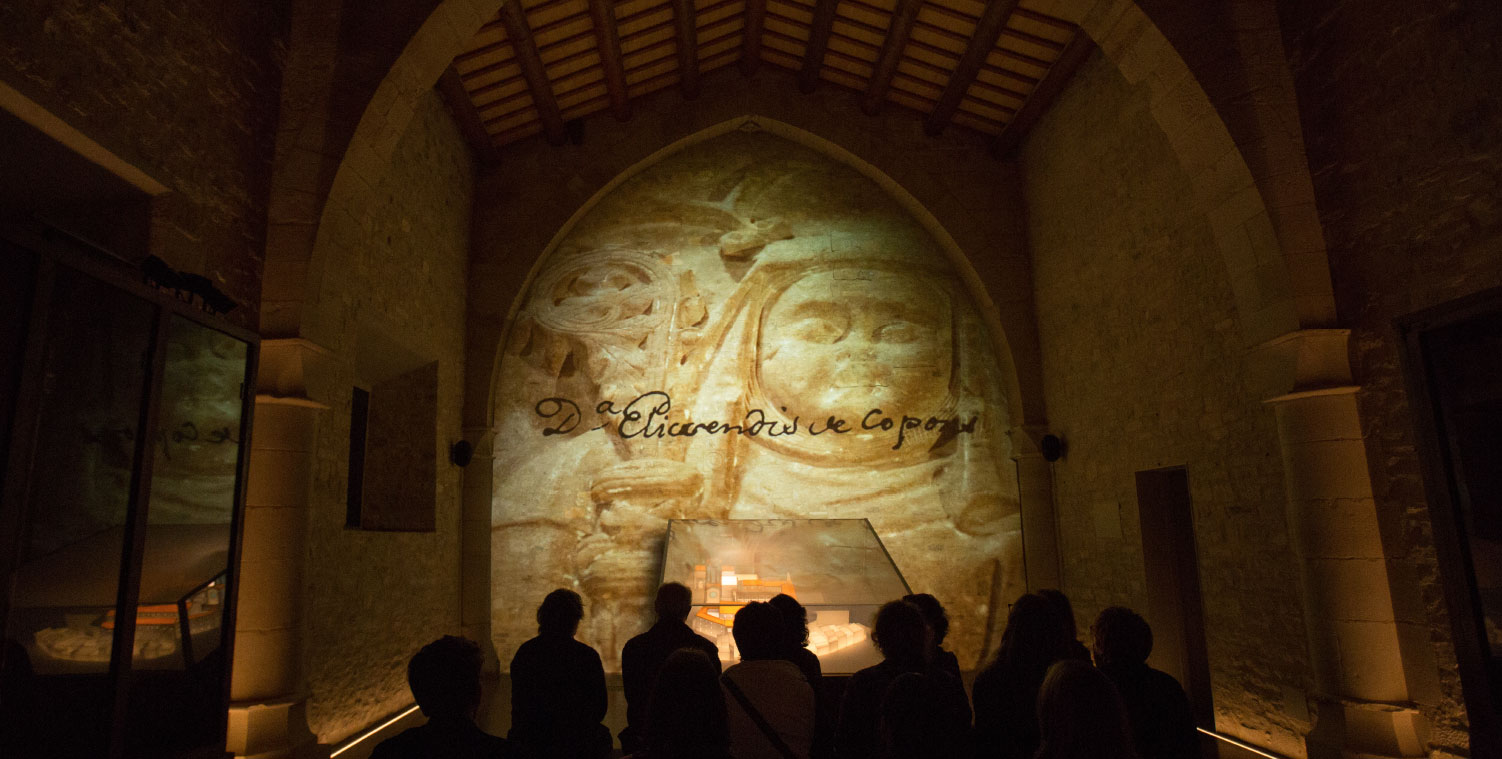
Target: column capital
(1304,361)
(282,376)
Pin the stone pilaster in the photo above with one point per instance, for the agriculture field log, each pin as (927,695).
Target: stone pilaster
(1040,536)
(1364,702)
(268,691)
(474,543)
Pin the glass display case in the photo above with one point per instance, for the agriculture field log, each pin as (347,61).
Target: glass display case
(837,568)
(63,608)
(123,484)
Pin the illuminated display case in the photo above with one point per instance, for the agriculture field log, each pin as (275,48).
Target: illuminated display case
(64,607)
(837,568)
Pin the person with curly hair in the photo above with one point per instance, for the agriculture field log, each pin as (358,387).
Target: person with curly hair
(942,712)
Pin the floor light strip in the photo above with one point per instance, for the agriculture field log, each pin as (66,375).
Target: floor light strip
(372,731)
(1241,744)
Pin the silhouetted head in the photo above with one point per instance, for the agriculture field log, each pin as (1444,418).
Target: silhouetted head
(1121,636)
(445,677)
(1081,715)
(794,619)
(560,613)
(758,631)
(686,714)
(933,613)
(901,633)
(674,601)
(1032,639)
(1063,612)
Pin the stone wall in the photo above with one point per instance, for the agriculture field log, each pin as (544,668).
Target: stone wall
(1401,122)
(374,598)
(1144,368)
(186,92)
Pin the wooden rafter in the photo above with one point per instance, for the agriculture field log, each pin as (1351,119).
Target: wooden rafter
(756,20)
(818,44)
(1074,54)
(451,87)
(891,52)
(987,32)
(514,19)
(603,14)
(688,47)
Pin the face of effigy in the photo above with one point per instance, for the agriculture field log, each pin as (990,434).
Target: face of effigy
(845,341)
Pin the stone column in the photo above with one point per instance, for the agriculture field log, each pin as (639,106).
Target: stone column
(1040,535)
(268,695)
(474,547)
(1364,689)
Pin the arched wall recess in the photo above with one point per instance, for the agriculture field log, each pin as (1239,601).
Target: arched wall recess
(747,327)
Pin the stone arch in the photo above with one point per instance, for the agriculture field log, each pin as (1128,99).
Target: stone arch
(1270,298)
(1267,297)
(546,491)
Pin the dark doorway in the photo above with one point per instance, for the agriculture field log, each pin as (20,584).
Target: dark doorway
(1453,362)
(1171,564)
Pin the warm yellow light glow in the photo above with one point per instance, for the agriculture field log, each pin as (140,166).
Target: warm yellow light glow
(1241,744)
(361,738)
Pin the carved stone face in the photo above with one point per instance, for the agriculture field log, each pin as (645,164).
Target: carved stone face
(846,341)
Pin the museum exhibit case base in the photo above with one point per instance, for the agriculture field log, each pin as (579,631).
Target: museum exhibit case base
(837,568)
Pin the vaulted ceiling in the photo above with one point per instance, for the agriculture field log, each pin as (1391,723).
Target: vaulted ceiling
(991,66)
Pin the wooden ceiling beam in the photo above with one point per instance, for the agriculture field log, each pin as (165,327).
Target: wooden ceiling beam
(818,44)
(515,20)
(688,47)
(1037,104)
(987,32)
(756,21)
(609,38)
(903,17)
(451,87)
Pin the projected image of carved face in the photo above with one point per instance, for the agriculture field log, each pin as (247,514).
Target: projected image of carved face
(747,329)
(844,342)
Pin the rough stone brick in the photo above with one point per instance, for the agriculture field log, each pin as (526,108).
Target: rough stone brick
(1150,375)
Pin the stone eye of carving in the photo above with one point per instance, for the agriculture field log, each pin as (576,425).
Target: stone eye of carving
(824,330)
(898,332)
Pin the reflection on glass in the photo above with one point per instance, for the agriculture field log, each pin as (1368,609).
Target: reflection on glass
(57,648)
(837,568)
(178,660)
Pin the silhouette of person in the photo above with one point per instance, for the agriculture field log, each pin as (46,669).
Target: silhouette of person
(769,705)
(1081,715)
(643,655)
(558,687)
(938,624)
(1006,691)
(904,640)
(906,724)
(1063,612)
(685,712)
(445,680)
(795,650)
(1157,708)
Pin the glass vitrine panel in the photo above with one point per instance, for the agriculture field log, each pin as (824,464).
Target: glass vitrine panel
(178,663)
(118,387)
(58,646)
(837,568)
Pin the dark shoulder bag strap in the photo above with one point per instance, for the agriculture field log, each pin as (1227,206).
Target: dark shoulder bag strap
(761,722)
